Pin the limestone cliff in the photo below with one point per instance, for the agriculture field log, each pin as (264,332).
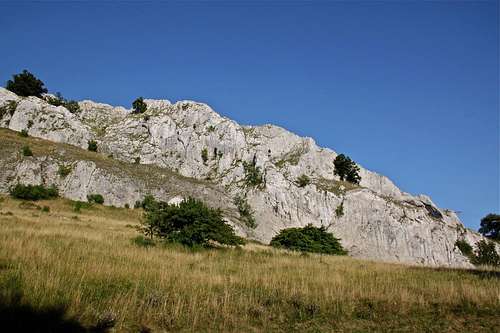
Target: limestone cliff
(191,141)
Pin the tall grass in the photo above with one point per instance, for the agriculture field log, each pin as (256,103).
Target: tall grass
(90,266)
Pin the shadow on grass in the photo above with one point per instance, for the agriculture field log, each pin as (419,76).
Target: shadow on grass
(481,273)
(18,317)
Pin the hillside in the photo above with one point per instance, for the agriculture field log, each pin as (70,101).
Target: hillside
(95,173)
(185,148)
(64,271)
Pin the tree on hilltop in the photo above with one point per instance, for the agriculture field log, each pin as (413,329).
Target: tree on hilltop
(490,226)
(26,84)
(139,106)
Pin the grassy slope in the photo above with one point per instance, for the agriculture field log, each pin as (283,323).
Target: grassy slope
(70,269)
(150,176)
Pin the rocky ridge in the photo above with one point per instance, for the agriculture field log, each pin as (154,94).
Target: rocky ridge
(375,220)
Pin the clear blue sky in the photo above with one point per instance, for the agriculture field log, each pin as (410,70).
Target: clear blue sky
(407,89)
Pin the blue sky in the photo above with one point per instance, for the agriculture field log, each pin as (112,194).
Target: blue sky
(407,89)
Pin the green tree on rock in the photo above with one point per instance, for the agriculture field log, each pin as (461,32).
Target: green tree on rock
(490,226)
(26,84)
(346,169)
(139,106)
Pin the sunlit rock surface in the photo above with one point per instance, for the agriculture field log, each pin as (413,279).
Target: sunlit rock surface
(378,220)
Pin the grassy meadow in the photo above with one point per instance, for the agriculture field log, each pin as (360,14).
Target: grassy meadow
(66,271)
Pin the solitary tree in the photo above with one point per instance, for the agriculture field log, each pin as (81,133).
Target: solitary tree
(490,226)
(190,223)
(26,84)
(139,105)
(346,169)
(486,254)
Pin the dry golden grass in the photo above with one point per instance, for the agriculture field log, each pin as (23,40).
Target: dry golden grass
(88,263)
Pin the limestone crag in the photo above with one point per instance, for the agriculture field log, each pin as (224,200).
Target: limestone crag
(374,220)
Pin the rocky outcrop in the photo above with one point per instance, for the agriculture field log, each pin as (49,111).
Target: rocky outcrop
(374,220)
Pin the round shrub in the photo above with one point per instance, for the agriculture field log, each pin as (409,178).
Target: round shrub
(308,239)
(191,223)
(27,151)
(92,145)
(95,198)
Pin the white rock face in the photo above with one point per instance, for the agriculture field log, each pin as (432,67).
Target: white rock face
(379,221)
(43,120)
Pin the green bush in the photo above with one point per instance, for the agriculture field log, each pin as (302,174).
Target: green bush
(45,209)
(346,169)
(253,175)
(148,203)
(139,106)
(303,181)
(64,170)
(56,100)
(190,223)
(95,198)
(308,239)
(24,133)
(245,210)
(59,100)
(486,254)
(78,205)
(72,106)
(27,151)
(33,192)
(92,145)
(464,247)
(26,84)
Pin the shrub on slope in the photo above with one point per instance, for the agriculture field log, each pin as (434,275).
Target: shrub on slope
(33,192)
(308,239)
(191,223)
